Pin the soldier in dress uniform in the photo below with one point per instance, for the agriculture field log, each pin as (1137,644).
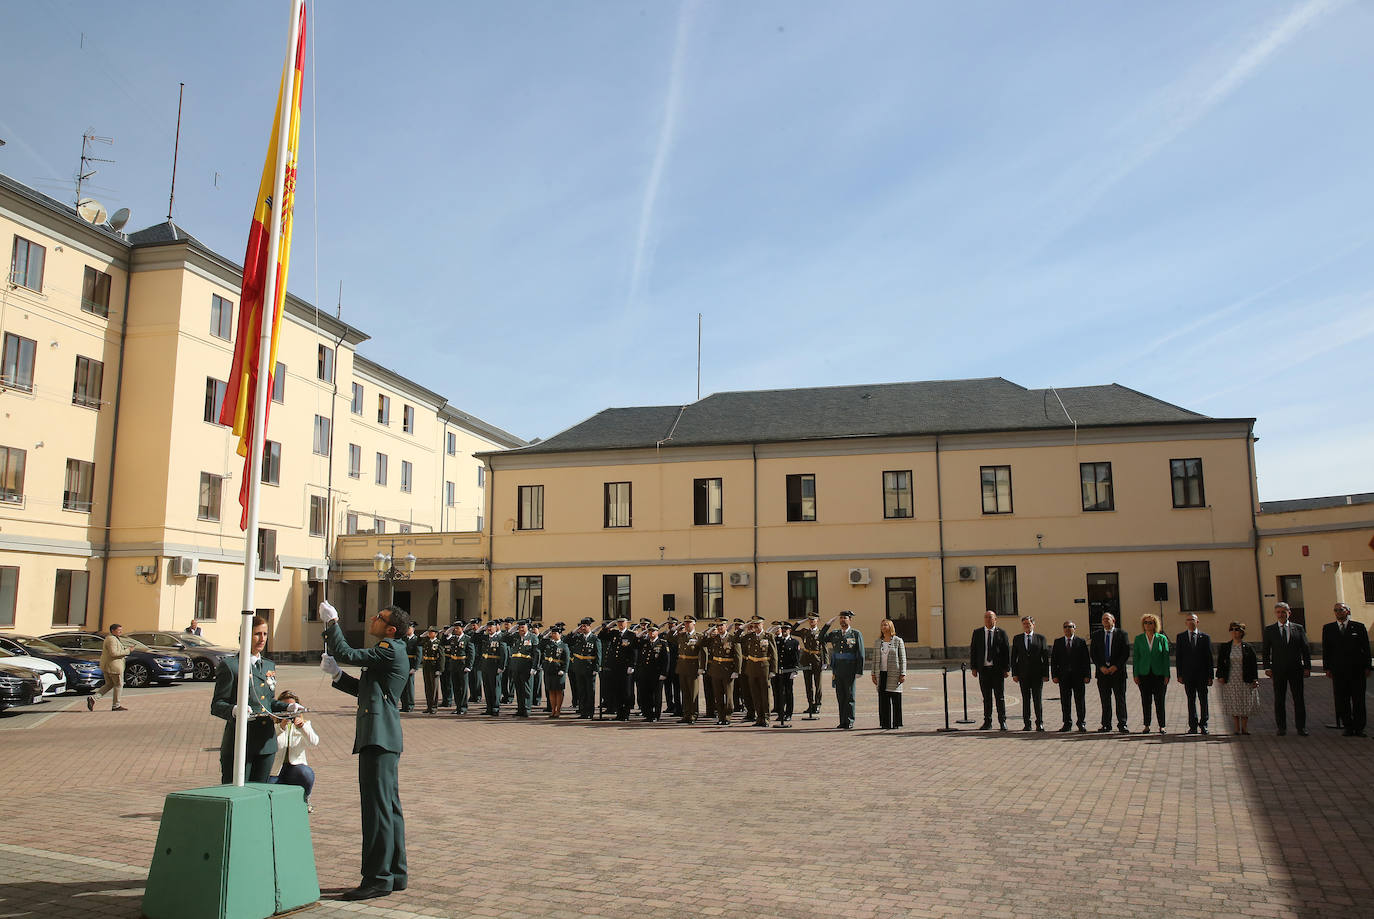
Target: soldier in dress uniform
(672,694)
(537,682)
(555,658)
(524,661)
(653,667)
(789,660)
(846,663)
(724,666)
(691,662)
(431,659)
(760,666)
(460,655)
(507,635)
(260,745)
(478,637)
(585,649)
(617,666)
(412,646)
(812,662)
(741,686)
(495,656)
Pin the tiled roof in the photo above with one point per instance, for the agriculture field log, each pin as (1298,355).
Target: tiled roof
(1311,504)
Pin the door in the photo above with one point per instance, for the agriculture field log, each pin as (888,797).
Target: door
(401,599)
(1290,592)
(1104,596)
(901,607)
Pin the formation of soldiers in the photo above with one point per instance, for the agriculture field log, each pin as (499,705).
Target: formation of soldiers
(734,667)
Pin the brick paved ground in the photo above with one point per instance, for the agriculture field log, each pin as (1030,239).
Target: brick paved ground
(512,819)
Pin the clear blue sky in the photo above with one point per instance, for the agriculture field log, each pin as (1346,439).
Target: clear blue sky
(528,203)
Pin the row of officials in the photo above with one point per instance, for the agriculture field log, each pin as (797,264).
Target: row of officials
(743,667)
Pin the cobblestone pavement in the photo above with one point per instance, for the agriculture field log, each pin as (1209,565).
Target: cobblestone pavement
(511,818)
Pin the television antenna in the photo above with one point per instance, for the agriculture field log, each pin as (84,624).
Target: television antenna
(83,173)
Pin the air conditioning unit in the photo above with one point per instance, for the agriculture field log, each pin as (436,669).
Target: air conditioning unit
(968,572)
(739,579)
(183,566)
(858,576)
(319,572)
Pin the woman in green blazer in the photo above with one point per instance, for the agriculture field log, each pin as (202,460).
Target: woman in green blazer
(1151,668)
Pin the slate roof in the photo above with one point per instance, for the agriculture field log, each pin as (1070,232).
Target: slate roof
(1311,504)
(875,410)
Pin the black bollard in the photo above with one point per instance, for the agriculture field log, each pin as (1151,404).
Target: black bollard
(963,673)
(944,682)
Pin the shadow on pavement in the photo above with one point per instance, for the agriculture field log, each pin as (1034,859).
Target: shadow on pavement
(47,899)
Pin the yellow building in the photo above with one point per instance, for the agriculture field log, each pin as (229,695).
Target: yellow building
(923,502)
(118,487)
(1316,552)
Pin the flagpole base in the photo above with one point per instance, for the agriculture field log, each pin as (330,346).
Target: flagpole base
(229,852)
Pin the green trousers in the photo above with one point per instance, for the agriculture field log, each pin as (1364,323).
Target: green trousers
(384,826)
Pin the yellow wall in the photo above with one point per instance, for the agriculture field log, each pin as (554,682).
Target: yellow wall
(1338,554)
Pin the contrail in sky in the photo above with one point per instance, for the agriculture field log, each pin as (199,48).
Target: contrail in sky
(667,134)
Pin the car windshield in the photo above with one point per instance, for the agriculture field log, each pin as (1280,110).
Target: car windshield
(134,643)
(41,646)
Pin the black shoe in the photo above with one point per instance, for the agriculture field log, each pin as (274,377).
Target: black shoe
(1104,730)
(1123,730)
(1302,732)
(849,727)
(397,886)
(1002,726)
(985,726)
(1065,729)
(1082,730)
(1040,728)
(1192,730)
(839,727)
(1145,729)
(1203,729)
(364,893)
(1026,726)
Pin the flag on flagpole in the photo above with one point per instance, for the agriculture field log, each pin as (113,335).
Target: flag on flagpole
(237,410)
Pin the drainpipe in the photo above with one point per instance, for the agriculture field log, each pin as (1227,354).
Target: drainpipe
(754,451)
(1254,519)
(940,513)
(114,442)
(491,534)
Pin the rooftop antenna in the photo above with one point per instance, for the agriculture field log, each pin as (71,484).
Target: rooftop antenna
(176,148)
(83,174)
(698,357)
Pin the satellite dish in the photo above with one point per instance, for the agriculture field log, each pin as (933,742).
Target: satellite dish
(91,211)
(119,218)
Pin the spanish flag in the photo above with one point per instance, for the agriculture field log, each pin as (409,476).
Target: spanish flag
(243,375)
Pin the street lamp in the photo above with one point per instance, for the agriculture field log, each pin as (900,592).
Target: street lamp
(388,573)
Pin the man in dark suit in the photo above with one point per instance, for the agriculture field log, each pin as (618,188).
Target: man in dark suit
(1072,668)
(1288,661)
(1110,649)
(990,661)
(1030,667)
(1345,658)
(1194,665)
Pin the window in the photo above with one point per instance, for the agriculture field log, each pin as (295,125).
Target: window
(479,523)
(450,498)
(9,594)
(324,365)
(451,443)
(1097,486)
(271,462)
(211,488)
(357,405)
(381,469)
(350,523)
(802,599)
(901,607)
(1368,586)
(17,372)
(86,382)
(531,508)
(207,596)
(407,475)
(1000,589)
(279,383)
(897,494)
(1186,475)
(529,596)
(12,461)
(355,461)
(1194,586)
(322,435)
(378,525)
(318,514)
(801,497)
(615,595)
(26,267)
(709,594)
(481,476)
(408,419)
(617,504)
(221,317)
(76,493)
(996,491)
(95,292)
(383,409)
(706,502)
(214,399)
(69,597)
(267,550)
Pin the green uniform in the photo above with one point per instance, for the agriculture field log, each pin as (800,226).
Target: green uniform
(585,651)
(846,663)
(377,742)
(412,649)
(460,654)
(494,659)
(524,661)
(260,746)
(431,659)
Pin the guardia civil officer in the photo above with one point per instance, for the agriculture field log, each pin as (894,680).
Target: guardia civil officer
(445,686)
(653,667)
(461,654)
(524,661)
(376,741)
(554,658)
(412,649)
(431,659)
(260,744)
(789,661)
(479,645)
(617,666)
(846,663)
(585,650)
(495,657)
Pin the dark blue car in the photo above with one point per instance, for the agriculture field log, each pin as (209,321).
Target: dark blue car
(81,667)
(141,667)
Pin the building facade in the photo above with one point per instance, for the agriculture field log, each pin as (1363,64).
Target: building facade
(119,488)
(1316,552)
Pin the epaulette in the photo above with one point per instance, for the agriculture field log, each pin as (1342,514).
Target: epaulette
(384,643)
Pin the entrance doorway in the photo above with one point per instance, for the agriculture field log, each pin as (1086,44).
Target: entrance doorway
(1290,592)
(901,607)
(1104,596)
(401,598)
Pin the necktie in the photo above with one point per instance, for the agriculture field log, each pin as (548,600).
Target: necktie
(1285,633)
(987,647)
(1107,645)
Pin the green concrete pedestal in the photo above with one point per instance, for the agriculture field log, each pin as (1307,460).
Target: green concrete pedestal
(232,853)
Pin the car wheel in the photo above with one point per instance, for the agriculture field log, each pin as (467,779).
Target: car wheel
(136,675)
(204,669)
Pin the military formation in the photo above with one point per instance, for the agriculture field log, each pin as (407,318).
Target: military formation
(727,671)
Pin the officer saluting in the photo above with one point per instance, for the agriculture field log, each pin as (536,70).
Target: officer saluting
(653,666)
(585,650)
(846,663)
(495,656)
(376,741)
(554,657)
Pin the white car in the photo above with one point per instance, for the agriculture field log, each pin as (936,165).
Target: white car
(53,678)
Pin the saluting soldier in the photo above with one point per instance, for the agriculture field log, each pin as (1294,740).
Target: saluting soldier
(495,656)
(260,745)
(789,660)
(507,635)
(653,666)
(537,678)
(672,691)
(760,665)
(617,667)
(585,649)
(724,667)
(812,662)
(691,662)
(554,658)
(461,655)
(524,661)
(412,646)
(846,663)
(431,659)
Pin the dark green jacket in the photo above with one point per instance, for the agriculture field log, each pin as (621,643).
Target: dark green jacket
(582,647)
(460,653)
(495,655)
(385,671)
(262,686)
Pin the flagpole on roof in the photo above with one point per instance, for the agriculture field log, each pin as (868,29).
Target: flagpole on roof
(255,443)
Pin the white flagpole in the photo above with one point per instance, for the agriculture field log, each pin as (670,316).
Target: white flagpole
(255,443)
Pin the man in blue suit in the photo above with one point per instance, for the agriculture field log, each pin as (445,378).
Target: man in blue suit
(1194,665)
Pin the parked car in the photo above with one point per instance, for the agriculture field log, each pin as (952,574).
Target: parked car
(141,667)
(205,655)
(81,668)
(53,679)
(18,686)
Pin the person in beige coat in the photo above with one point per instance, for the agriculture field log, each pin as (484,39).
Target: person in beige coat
(112,664)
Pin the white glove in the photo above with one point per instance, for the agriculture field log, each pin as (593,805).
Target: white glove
(560,673)
(235,712)
(734,676)
(293,707)
(330,666)
(662,678)
(630,670)
(328,613)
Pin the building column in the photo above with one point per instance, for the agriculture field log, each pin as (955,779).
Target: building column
(443,592)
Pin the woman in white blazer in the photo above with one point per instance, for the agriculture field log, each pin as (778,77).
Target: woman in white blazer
(889,673)
(293,738)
